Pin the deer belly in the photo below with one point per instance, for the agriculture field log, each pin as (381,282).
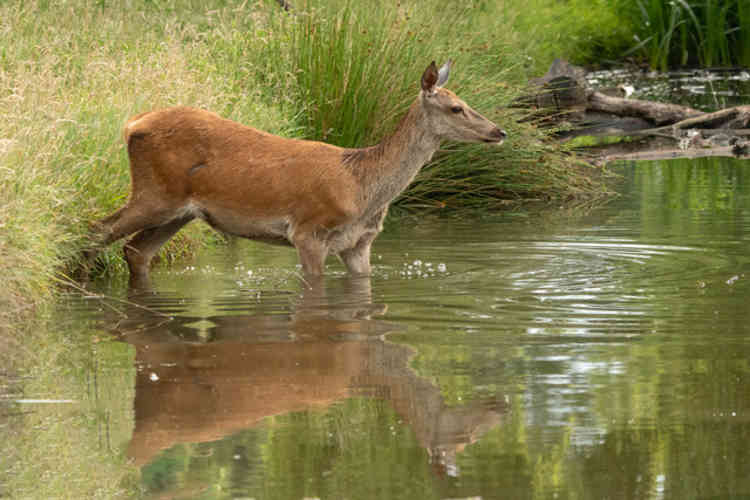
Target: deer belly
(348,237)
(267,229)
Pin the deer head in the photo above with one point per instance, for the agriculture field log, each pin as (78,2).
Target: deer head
(449,116)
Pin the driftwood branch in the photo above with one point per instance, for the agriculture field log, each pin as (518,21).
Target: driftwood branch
(665,154)
(730,118)
(655,112)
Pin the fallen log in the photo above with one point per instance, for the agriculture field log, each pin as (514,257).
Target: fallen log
(668,154)
(655,112)
(563,96)
(607,156)
(672,115)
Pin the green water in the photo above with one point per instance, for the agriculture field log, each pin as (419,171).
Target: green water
(591,352)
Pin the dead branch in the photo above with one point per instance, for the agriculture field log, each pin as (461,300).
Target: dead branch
(655,112)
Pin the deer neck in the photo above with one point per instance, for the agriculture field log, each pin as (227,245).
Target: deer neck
(384,171)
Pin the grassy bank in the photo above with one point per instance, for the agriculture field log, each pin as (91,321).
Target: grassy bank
(71,73)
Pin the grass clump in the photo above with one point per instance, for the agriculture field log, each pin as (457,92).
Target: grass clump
(689,32)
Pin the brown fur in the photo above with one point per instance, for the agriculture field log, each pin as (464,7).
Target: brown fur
(189,163)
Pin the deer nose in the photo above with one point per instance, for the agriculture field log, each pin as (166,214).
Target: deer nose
(497,135)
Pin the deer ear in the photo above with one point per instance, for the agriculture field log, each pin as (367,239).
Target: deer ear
(444,73)
(430,78)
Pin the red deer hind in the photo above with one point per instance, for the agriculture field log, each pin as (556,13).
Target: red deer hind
(188,163)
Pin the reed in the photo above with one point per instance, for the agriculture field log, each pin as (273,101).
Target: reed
(688,32)
(657,38)
(743,35)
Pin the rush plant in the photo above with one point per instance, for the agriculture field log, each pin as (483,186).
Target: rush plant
(689,32)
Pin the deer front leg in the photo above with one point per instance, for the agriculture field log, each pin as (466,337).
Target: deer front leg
(357,258)
(312,253)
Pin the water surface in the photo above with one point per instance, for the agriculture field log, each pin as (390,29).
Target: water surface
(598,352)
(706,90)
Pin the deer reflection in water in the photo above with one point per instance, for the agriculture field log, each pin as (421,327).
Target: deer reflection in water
(195,387)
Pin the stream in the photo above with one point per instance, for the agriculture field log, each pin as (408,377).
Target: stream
(598,351)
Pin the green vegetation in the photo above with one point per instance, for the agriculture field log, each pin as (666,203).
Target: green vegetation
(663,34)
(688,32)
(589,32)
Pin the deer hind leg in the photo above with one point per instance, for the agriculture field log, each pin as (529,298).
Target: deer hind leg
(129,219)
(143,246)
(134,217)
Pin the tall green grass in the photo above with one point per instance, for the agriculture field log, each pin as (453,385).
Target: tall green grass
(689,32)
(357,67)
(739,16)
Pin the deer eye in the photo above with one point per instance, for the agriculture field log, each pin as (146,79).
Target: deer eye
(456,109)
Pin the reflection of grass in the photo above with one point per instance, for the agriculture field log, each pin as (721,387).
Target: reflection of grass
(357,448)
(73,450)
